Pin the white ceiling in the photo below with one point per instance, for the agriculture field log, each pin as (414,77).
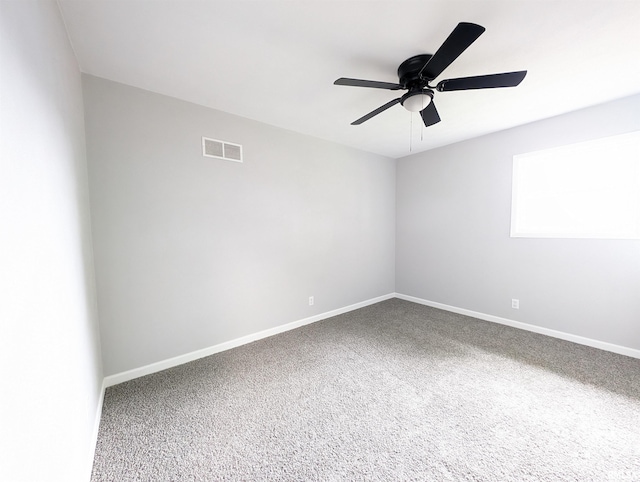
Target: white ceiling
(275,61)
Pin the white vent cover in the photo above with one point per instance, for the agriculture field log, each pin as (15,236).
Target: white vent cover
(221,149)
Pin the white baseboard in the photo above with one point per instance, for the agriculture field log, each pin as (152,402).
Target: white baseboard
(602,345)
(179,360)
(194,355)
(96,429)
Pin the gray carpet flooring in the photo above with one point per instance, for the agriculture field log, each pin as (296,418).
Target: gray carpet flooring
(393,391)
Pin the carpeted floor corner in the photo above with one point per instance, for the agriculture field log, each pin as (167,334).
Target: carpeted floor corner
(394,391)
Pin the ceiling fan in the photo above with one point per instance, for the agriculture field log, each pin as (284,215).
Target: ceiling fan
(416,72)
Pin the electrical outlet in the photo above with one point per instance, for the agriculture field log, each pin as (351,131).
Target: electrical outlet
(311,300)
(515,304)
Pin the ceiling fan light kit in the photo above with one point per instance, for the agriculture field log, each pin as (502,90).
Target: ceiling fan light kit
(417,72)
(417,100)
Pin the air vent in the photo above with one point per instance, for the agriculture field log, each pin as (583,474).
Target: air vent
(221,149)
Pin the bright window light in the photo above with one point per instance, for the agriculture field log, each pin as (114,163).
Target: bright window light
(585,190)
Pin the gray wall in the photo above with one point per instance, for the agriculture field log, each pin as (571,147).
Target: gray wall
(191,252)
(453,244)
(49,349)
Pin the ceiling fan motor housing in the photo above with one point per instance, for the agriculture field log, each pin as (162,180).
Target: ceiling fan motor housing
(409,72)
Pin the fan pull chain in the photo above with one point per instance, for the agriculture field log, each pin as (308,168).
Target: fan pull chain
(422,123)
(411,133)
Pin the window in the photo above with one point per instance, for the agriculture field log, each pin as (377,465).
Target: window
(585,190)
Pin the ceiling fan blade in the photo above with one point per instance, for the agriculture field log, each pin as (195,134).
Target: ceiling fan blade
(491,81)
(457,42)
(430,115)
(376,112)
(367,83)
